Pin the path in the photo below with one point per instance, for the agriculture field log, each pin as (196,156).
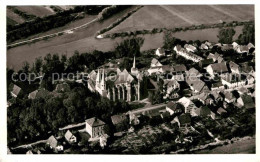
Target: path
(54,34)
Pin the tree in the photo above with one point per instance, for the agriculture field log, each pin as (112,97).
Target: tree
(168,40)
(129,47)
(225,35)
(248,35)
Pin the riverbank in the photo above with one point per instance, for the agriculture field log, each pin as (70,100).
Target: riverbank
(246,145)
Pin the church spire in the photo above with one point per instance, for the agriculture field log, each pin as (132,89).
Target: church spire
(98,77)
(134,63)
(103,80)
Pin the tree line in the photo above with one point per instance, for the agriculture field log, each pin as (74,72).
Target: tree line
(39,25)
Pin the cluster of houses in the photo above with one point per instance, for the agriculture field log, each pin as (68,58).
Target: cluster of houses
(186,91)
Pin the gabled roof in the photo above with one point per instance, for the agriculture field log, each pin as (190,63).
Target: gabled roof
(94,122)
(117,119)
(229,95)
(221,111)
(233,65)
(16,90)
(203,96)
(52,141)
(185,101)
(155,62)
(124,77)
(192,72)
(68,135)
(161,50)
(179,68)
(217,84)
(207,61)
(243,48)
(178,77)
(215,94)
(250,45)
(242,90)
(195,83)
(219,67)
(248,101)
(33,94)
(170,104)
(92,75)
(178,47)
(170,83)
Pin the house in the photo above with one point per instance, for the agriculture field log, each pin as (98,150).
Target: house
(179,69)
(171,85)
(193,73)
(119,122)
(247,69)
(221,111)
(234,67)
(197,85)
(15,91)
(246,101)
(70,137)
(250,45)
(190,48)
(226,47)
(242,49)
(229,97)
(160,69)
(187,54)
(235,45)
(215,96)
(178,77)
(217,86)
(155,63)
(53,143)
(206,62)
(215,57)
(217,68)
(232,80)
(202,97)
(250,79)
(189,106)
(160,52)
(32,95)
(63,87)
(95,127)
(174,108)
(203,46)
(242,90)
(208,44)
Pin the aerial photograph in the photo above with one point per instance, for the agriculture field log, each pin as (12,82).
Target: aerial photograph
(130,79)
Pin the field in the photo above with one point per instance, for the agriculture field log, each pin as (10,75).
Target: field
(39,11)
(241,147)
(83,40)
(13,16)
(161,16)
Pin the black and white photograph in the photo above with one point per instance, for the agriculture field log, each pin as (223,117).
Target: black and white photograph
(132,79)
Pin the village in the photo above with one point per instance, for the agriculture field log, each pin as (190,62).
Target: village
(215,91)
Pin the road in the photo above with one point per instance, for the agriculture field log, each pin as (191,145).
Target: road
(140,110)
(54,34)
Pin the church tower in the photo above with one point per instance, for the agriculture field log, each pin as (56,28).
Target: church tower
(103,84)
(98,79)
(134,70)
